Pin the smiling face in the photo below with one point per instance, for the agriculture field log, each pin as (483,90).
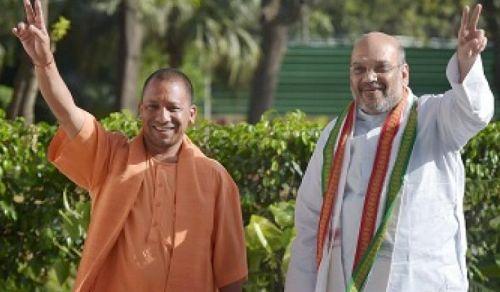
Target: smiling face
(378,74)
(166,112)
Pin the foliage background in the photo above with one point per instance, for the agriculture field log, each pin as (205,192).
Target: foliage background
(43,216)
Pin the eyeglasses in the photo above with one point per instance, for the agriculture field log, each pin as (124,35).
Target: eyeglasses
(381,69)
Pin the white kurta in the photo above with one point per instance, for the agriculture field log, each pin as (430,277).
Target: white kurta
(425,247)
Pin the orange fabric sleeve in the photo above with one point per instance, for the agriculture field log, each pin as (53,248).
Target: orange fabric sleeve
(83,159)
(229,251)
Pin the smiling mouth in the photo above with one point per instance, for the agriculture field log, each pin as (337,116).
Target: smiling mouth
(164,129)
(372,90)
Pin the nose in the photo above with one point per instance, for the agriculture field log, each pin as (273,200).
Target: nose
(370,75)
(164,115)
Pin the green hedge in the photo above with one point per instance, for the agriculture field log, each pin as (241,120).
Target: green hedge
(43,216)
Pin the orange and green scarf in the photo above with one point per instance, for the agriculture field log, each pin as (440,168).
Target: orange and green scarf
(368,245)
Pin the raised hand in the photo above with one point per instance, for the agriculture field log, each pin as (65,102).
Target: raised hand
(471,41)
(34,36)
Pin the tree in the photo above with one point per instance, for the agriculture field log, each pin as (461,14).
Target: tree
(276,18)
(130,50)
(219,31)
(216,29)
(349,18)
(420,19)
(25,85)
(7,41)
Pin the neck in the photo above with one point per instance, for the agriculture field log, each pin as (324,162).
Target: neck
(169,154)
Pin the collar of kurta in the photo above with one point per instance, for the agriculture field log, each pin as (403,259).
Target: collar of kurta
(138,154)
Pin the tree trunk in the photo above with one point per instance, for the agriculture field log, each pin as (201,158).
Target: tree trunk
(175,40)
(131,38)
(491,11)
(25,86)
(175,56)
(25,91)
(207,97)
(276,17)
(2,56)
(265,80)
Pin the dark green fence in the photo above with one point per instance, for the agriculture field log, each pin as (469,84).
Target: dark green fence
(316,80)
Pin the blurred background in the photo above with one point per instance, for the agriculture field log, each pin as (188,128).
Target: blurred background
(244,56)
(286,58)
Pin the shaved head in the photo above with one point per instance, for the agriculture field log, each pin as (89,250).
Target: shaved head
(170,75)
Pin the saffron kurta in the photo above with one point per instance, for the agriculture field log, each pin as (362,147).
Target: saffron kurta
(201,239)
(424,248)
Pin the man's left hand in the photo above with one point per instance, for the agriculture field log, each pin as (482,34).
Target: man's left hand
(471,41)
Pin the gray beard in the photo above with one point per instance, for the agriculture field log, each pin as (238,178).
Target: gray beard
(385,105)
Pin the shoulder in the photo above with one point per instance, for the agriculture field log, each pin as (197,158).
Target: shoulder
(213,167)
(328,128)
(91,124)
(325,133)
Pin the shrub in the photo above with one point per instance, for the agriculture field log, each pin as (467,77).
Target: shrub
(482,205)
(43,216)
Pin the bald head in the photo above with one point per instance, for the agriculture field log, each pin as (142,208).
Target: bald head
(170,75)
(377,40)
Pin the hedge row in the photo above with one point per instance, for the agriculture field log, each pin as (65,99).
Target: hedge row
(43,216)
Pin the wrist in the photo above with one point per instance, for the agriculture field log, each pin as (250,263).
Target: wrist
(44,65)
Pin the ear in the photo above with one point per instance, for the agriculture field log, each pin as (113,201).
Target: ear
(193,110)
(139,109)
(406,74)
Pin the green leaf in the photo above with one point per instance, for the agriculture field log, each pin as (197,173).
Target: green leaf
(60,29)
(288,236)
(62,270)
(283,213)
(262,234)
(495,223)
(8,210)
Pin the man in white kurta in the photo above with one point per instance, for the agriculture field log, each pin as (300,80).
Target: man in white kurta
(424,246)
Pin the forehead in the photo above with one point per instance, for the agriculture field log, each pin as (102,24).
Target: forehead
(375,50)
(171,90)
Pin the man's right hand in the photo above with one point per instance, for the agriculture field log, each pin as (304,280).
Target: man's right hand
(34,36)
(36,42)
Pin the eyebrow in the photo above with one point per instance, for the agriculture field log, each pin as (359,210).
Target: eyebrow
(381,62)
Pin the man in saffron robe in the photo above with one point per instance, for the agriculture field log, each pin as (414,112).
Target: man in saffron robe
(380,205)
(164,216)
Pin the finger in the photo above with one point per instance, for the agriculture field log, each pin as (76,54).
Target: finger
(463,35)
(21,31)
(38,33)
(39,15)
(465,18)
(472,47)
(485,43)
(475,17)
(481,44)
(30,14)
(21,27)
(15,31)
(479,33)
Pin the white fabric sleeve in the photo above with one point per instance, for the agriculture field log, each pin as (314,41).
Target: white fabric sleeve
(467,107)
(301,275)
